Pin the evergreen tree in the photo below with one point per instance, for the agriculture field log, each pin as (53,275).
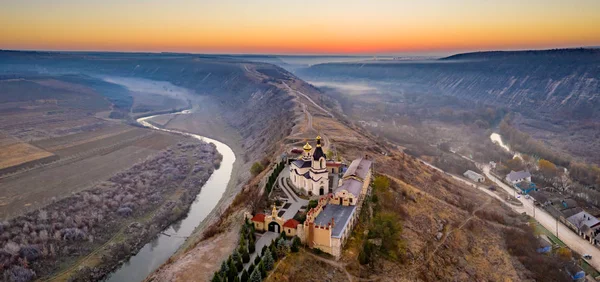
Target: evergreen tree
(268,261)
(236,279)
(251,268)
(251,247)
(263,269)
(264,248)
(216,278)
(255,277)
(245,256)
(224,268)
(239,265)
(245,276)
(257,260)
(236,256)
(232,273)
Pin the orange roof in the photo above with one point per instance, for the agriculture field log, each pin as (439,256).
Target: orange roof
(335,164)
(259,217)
(291,223)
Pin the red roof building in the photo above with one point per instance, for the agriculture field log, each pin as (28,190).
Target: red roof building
(291,223)
(259,217)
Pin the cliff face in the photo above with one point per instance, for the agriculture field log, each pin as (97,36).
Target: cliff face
(563,82)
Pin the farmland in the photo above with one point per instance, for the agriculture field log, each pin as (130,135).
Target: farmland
(15,153)
(53,144)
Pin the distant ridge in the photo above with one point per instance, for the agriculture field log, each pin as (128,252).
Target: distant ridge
(491,55)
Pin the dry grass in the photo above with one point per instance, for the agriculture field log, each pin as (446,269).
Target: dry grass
(20,153)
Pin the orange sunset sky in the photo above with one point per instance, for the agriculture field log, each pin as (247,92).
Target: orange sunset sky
(298,27)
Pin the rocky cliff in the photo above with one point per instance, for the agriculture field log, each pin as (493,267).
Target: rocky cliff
(555,82)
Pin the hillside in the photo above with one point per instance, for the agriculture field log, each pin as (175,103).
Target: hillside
(449,231)
(563,82)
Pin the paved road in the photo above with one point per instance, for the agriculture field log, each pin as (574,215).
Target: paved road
(293,199)
(569,237)
(264,240)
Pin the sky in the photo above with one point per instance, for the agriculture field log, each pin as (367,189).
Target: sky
(298,27)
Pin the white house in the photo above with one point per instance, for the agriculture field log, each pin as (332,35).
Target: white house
(474,176)
(515,177)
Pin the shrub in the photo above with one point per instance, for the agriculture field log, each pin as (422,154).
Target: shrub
(256,168)
(296,244)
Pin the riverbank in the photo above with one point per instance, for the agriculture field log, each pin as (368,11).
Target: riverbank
(84,236)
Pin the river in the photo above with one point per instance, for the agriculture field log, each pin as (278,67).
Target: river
(496,138)
(156,252)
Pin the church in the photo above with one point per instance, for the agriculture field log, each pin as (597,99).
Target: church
(310,172)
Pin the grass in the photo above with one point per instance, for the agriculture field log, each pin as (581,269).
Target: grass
(542,230)
(589,269)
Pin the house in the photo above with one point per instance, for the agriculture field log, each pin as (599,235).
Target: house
(540,198)
(585,225)
(515,177)
(474,176)
(526,187)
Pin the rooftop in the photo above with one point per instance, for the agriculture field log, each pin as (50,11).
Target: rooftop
(260,217)
(341,216)
(302,163)
(359,168)
(353,186)
(517,175)
(473,175)
(583,218)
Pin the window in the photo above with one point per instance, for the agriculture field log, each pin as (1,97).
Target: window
(288,231)
(350,200)
(321,162)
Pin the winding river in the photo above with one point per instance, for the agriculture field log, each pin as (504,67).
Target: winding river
(156,252)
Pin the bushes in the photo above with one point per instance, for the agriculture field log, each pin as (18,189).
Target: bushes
(256,168)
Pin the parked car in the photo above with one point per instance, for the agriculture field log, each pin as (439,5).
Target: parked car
(587,256)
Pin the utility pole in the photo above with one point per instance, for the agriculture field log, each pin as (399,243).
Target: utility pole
(557,228)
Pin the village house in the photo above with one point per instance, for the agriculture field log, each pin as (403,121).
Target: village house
(515,177)
(585,224)
(474,176)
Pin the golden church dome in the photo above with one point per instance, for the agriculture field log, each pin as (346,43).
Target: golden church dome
(307,147)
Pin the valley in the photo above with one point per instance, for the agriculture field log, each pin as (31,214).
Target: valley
(260,111)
